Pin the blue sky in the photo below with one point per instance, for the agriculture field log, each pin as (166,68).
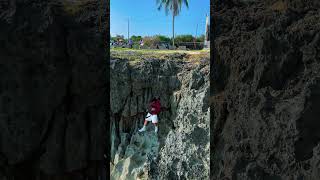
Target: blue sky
(146,20)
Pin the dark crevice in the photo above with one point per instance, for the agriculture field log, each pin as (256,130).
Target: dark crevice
(309,126)
(87,117)
(278,72)
(220,124)
(220,72)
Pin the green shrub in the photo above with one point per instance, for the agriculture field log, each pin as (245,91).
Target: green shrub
(201,38)
(136,39)
(183,38)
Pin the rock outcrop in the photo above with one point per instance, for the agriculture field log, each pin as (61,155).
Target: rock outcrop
(181,147)
(52,113)
(265,90)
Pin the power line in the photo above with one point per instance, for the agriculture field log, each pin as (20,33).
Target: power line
(200,24)
(149,19)
(195,37)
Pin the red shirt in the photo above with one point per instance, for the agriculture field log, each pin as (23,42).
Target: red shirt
(155,107)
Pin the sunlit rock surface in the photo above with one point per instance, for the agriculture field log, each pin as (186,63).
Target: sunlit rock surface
(181,147)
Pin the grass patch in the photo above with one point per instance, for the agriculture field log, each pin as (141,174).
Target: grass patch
(142,54)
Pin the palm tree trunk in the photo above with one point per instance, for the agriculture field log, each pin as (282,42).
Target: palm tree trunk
(172,30)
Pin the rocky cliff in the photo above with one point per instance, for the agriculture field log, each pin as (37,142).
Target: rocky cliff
(180,150)
(52,113)
(265,90)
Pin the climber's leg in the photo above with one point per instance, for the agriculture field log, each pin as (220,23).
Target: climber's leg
(148,118)
(155,127)
(155,122)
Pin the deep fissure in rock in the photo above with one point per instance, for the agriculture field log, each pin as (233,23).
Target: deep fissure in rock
(308,126)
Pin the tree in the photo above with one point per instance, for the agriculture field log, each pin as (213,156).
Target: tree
(162,38)
(174,6)
(136,39)
(114,39)
(184,38)
(201,38)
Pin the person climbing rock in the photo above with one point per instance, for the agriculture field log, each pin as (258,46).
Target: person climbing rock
(154,110)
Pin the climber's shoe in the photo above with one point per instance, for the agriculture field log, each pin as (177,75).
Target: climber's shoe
(142,129)
(156,129)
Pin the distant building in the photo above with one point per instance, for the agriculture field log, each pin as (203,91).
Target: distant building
(207,36)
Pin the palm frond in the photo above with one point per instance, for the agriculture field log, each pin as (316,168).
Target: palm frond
(186,2)
(172,5)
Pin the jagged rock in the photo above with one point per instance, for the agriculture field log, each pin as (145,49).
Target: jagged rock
(52,113)
(135,163)
(265,82)
(197,80)
(182,144)
(185,154)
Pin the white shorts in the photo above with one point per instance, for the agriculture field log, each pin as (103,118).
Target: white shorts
(153,118)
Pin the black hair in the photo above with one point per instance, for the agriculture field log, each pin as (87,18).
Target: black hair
(153,99)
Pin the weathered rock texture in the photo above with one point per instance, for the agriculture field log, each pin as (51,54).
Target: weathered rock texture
(181,148)
(266,84)
(52,88)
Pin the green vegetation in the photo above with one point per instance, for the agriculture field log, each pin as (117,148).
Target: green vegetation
(150,41)
(118,38)
(136,39)
(174,6)
(137,55)
(200,38)
(163,38)
(184,38)
(155,40)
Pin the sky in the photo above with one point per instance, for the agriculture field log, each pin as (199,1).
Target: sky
(146,20)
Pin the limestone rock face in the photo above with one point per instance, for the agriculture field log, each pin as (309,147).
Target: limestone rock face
(185,154)
(181,146)
(52,115)
(265,87)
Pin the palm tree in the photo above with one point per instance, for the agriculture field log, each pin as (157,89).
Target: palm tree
(174,6)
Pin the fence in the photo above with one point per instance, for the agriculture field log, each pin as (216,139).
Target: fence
(163,45)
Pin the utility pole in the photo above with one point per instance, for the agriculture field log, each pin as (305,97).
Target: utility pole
(195,38)
(128,30)
(206,39)
(197,31)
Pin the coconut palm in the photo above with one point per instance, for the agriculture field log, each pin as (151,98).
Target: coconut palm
(173,6)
